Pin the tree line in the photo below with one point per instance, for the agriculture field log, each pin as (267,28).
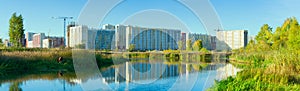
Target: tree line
(286,36)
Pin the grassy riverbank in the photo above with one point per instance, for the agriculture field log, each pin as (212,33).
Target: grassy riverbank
(15,61)
(270,63)
(34,61)
(18,62)
(265,71)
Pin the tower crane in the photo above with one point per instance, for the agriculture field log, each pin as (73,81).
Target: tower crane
(65,19)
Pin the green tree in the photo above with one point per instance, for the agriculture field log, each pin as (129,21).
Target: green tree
(189,45)
(251,46)
(265,34)
(131,47)
(1,41)
(197,46)
(15,86)
(279,39)
(80,46)
(180,47)
(16,30)
(204,50)
(294,34)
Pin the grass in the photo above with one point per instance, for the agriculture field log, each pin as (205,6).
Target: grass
(15,62)
(23,61)
(265,71)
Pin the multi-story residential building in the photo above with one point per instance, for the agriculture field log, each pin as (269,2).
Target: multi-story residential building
(91,38)
(151,38)
(120,37)
(38,40)
(53,42)
(108,26)
(105,40)
(228,40)
(29,37)
(7,43)
(29,44)
(183,41)
(208,41)
(72,24)
(78,36)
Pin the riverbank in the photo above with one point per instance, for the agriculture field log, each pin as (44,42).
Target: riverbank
(19,62)
(264,71)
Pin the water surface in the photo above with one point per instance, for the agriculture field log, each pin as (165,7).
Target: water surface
(133,76)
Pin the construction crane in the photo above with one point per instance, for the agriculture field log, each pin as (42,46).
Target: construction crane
(65,19)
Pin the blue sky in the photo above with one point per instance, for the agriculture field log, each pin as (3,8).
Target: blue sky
(234,14)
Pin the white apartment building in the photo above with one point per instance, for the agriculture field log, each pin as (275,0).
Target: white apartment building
(91,38)
(147,38)
(78,36)
(120,37)
(38,40)
(229,40)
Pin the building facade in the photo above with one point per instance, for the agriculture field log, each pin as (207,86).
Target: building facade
(150,38)
(29,37)
(183,41)
(53,42)
(120,42)
(105,40)
(78,36)
(121,37)
(208,41)
(229,40)
(108,27)
(37,40)
(90,38)
(7,43)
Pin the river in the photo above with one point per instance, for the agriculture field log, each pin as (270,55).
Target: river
(132,76)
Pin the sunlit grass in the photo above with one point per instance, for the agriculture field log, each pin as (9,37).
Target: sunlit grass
(265,71)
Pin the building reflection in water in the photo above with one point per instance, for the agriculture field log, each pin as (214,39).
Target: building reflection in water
(146,73)
(134,72)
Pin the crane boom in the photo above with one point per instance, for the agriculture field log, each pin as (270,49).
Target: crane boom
(65,19)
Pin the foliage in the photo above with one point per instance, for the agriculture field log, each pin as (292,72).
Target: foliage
(294,35)
(270,63)
(265,34)
(272,70)
(41,61)
(80,46)
(15,87)
(131,48)
(180,45)
(189,45)
(251,45)
(1,43)
(197,46)
(16,30)
(171,51)
(204,50)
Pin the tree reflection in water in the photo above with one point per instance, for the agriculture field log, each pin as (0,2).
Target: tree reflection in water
(15,86)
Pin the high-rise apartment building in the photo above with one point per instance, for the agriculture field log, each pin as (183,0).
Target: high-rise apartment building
(91,38)
(29,37)
(121,37)
(229,40)
(208,41)
(183,41)
(38,40)
(53,42)
(152,38)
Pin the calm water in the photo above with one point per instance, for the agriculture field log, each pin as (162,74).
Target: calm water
(133,76)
